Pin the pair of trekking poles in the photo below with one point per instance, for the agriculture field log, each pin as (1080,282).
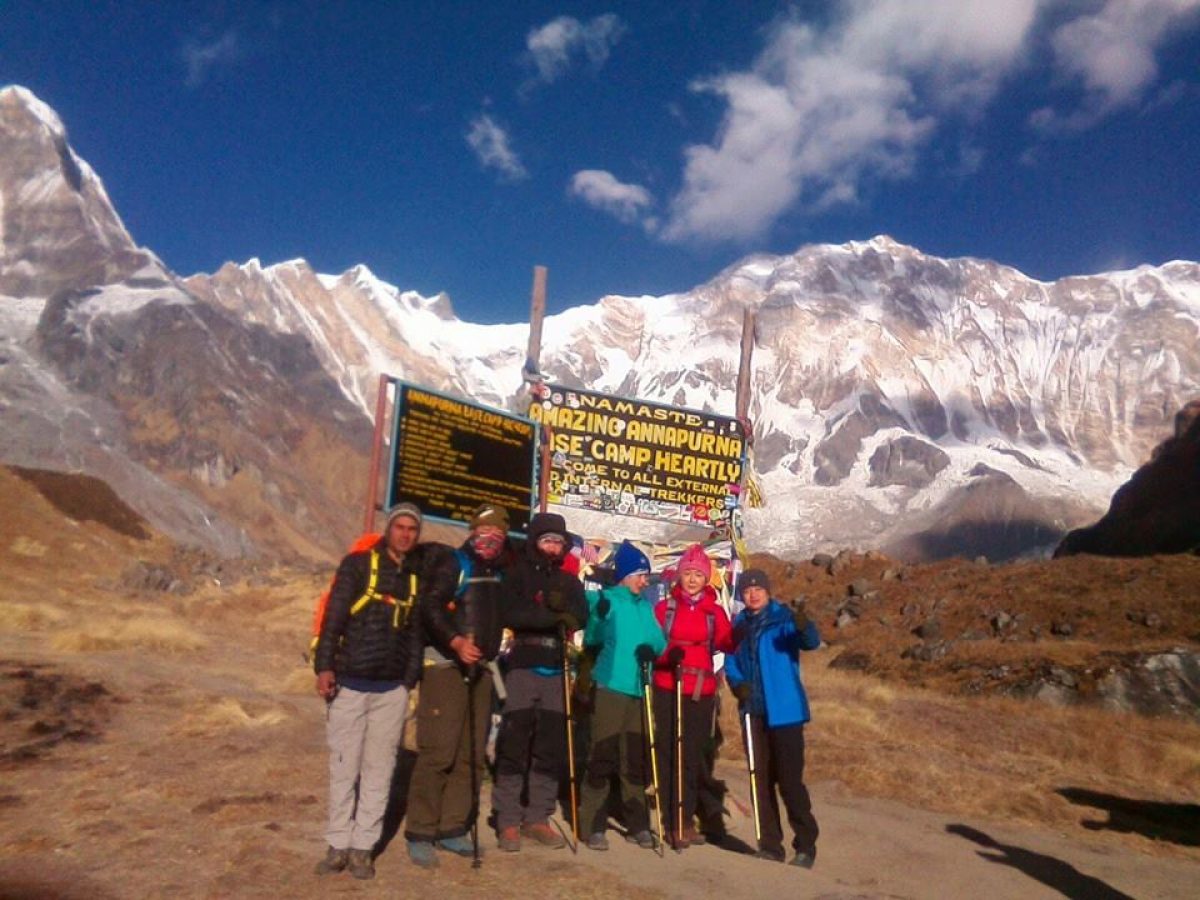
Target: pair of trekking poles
(654,787)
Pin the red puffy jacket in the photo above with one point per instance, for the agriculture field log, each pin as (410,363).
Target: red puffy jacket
(690,630)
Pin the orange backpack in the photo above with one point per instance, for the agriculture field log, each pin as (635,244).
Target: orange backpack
(362,543)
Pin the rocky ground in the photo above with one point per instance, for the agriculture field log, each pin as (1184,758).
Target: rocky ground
(161,737)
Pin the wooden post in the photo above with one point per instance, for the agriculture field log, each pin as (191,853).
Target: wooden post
(544,469)
(376,454)
(537,312)
(742,405)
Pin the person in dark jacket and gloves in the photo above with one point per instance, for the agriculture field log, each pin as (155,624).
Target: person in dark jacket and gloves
(462,632)
(543,603)
(367,659)
(764,674)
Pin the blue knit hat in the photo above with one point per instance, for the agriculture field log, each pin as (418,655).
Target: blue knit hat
(629,560)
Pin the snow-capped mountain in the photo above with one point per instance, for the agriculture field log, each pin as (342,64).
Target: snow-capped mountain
(923,405)
(891,389)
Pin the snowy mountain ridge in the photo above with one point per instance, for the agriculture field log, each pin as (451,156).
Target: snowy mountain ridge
(899,400)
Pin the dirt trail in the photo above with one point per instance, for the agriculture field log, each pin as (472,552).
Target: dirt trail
(197,791)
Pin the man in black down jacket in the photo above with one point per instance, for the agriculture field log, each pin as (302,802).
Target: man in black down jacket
(462,633)
(367,659)
(541,604)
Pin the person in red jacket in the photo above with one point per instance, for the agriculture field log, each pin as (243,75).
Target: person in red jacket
(696,627)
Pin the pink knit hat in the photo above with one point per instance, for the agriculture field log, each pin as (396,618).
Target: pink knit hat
(695,558)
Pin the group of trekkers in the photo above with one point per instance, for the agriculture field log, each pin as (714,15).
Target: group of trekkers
(402,611)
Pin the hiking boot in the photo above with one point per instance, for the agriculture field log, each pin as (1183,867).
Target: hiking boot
(774,854)
(675,842)
(643,839)
(804,858)
(509,839)
(360,864)
(335,861)
(422,854)
(693,837)
(461,845)
(544,835)
(597,841)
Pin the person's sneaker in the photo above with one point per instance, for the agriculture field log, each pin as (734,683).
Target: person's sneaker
(422,854)
(774,854)
(509,839)
(597,841)
(461,845)
(335,861)
(360,864)
(804,858)
(544,834)
(645,840)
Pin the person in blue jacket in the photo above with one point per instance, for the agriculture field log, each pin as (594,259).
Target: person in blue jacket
(764,674)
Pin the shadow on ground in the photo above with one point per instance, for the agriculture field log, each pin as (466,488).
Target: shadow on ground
(1178,823)
(1054,873)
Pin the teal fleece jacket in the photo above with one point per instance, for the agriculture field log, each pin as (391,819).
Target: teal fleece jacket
(629,623)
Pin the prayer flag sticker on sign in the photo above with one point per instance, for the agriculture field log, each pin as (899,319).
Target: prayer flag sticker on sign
(641,459)
(452,455)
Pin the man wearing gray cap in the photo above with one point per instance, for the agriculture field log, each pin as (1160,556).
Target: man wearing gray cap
(367,659)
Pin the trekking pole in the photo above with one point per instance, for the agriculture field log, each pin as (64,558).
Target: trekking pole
(753,776)
(678,759)
(653,789)
(569,710)
(469,681)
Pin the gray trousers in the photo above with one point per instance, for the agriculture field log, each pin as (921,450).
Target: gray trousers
(363,730)
(531,748)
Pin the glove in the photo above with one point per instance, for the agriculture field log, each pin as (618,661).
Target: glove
(645,654)
(799,615)
(675,656)
(603,606)
(741,691)
(566,621)
(604,576)
(556,602)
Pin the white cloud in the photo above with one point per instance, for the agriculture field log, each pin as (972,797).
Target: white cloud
(820,112)
(602,190)
(491,145)
(201,58)
(1111,54)
(553,47)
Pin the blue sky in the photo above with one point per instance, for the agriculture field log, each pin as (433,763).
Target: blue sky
(630,147)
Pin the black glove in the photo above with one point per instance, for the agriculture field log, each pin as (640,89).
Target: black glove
(799,615)
(603,605)
(603,575)
(556,602)
(645,654)
(675,656)
(741,691)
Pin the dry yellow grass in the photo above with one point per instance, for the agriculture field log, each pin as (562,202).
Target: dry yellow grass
(215,716)
(992,757)
(32,616)
(164,635)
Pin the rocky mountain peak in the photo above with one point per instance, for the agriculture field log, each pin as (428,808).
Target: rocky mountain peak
(58,228)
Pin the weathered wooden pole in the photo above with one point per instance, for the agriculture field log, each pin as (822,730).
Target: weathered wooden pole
(376,454)
(537,312)
(742,404)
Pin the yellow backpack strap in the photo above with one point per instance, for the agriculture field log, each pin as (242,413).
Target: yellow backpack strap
(370,593)
(406,604)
